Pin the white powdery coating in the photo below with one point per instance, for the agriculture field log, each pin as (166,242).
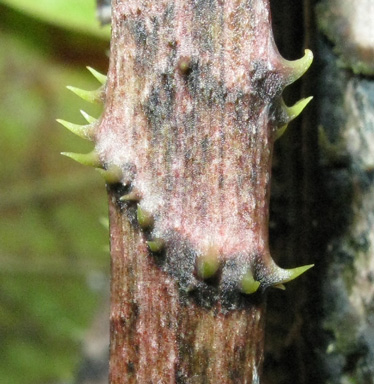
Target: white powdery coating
(233,216)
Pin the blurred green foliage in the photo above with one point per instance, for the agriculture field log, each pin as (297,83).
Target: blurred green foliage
(53,266)
(77,15)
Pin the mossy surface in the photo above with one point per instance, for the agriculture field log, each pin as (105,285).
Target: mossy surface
(348,25)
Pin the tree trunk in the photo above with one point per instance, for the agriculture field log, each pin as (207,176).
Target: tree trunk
(341,187)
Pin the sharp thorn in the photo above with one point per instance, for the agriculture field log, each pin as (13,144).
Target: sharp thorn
(297,108)
(91,159)
(112,175)
(83,131)
(208,264)
(290,113)
(279,286)
(134,195)
(145,219)
(280,131)
(88,118)
(95,96)
(248,284)
(156,245)
(297,68)
(98,76)
(282,276)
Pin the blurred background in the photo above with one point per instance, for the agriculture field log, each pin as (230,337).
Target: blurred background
(54,258)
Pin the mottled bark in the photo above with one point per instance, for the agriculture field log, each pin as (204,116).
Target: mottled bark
(159,334)
(192,108)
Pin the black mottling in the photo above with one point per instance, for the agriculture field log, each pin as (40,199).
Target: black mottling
(139,32)
(221,181)
(131,214)
(118,190)
(122,320)
(169,14)
(130,367)
(193,78)
(277,114)
(178,259)
(204,86)
(205,296)
(205,146)
(230,296)
(146,40)
(134,311)
(181,377)
(205,16)
(159,107)
(266,84)
(189,123)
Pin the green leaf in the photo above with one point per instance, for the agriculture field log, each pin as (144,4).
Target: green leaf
(77,15)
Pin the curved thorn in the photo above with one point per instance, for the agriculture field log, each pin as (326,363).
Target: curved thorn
(298,67)
(90,96)
(112,175)
(98,76)
(156,245)
(280,131)
(283,276)
(248,284)
(87,117)
(134,195)
(279,286)
(297,108)
(290,114)
(207,265)
(145,218)
(83,131)
(91,159)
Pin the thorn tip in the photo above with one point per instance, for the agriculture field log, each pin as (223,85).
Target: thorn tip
(298,67)
(248,284)
(91,159)
(156,245)
(145,218)
(83,131)
(208,264)
(90,96)
(112,175)
(88,118)
(290,114)
(134,196)
(282,276)
(98,76)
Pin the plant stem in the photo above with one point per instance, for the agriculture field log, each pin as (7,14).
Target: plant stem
(192,109)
